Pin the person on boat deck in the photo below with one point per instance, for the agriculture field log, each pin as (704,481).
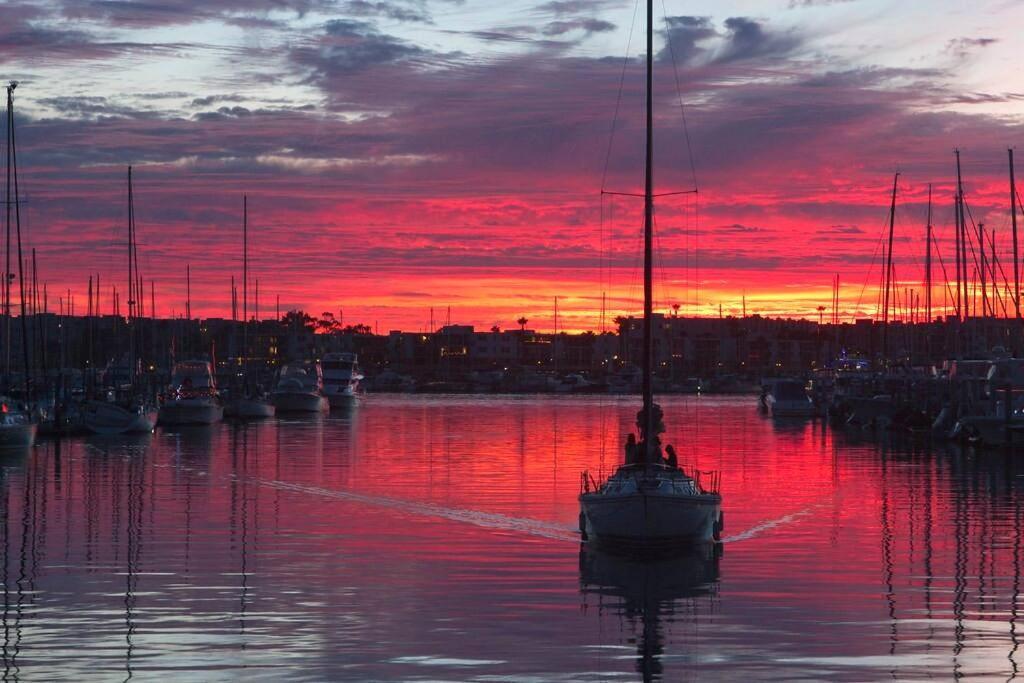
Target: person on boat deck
(670,458)
(632,453)
(657,428)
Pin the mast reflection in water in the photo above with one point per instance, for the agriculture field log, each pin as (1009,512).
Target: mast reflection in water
(652,595)
(433,537)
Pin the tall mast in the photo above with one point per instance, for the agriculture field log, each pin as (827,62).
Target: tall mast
(648,362)
(983,270)
(928,262)
(888,273)
(8,276)
(131,278)
(961,244)
(1016,257)
(12,152)
(245,285)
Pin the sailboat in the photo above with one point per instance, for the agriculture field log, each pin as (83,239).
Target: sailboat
(123,409)
(17,426)
(648,505)
(248,405)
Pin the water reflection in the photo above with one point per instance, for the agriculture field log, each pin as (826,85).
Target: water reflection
(434,538)
(650,594)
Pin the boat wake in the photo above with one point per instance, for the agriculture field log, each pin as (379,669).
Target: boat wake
(487,520)
(758,529)
(495,521)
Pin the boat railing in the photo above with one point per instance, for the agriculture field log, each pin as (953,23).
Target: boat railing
(587,482)
(707,481)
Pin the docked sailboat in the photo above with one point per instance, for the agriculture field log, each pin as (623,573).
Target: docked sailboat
(649,504)
(341,378)
(247,403)
(300,389)
(124,409)
(115,416)
(193,397)
(17,430)
(18,425)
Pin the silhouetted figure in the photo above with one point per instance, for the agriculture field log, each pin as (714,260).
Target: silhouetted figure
(670,458)
(657,428)
(632,452)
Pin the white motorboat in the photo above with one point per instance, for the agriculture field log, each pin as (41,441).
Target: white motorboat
(650,505)
(17,430)
(789,398)
(193,398)
(113,417)
(341,379)
(300,389)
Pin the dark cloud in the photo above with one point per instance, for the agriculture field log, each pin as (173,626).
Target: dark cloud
(748,39)
(840,230)
(573,7)
(133,13)
(962,48)
(685,38)
(347,46)
(557,28)
(390,10)
(793,4)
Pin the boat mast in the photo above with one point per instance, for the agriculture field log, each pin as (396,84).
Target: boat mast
(888,273)
(961,238)
(131,279)
(647,434)
(245,288)
(928,262)
(1016,258)
(8,276)
(12,170)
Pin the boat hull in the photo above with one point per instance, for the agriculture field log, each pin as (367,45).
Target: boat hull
(341,399)
(100,417)
(299,402)
(648,521)
(249,409)
(790,408)
(17,435)
(189,412)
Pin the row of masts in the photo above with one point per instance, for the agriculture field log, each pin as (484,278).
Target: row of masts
(974,246)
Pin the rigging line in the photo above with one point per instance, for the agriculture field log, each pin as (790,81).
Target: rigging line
(618,99)
(867,276)
(679,95)
(945,277)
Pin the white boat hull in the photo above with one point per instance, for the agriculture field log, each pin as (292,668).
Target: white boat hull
(101,417)
(249,409)
(190,412)
(299,402)
(18,435)
(341,399)
(649,520)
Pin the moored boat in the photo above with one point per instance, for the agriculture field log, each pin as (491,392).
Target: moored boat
(299,389)
(17,430)
(341,378)
(789,398)
(112,417)
(193,398)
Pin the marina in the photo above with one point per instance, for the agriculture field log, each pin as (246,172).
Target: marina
(291,548)
(544,386)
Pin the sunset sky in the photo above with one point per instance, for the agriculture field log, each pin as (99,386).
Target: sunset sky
(403,154)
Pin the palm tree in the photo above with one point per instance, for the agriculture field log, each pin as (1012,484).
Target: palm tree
(522,324)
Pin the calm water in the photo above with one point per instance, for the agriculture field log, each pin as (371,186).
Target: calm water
(427,538)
